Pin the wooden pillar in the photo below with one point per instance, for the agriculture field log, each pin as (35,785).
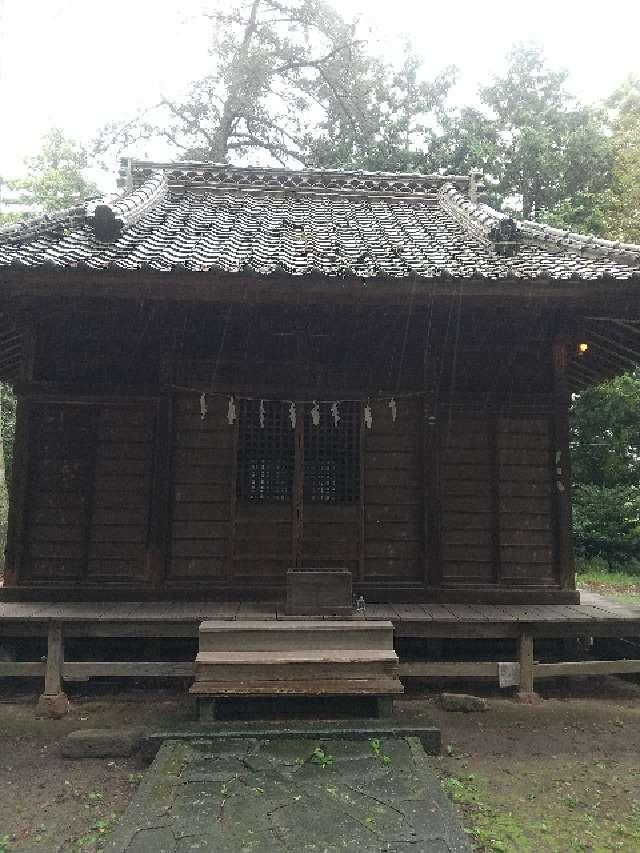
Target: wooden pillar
(431,497)
(19,492)
(564,552)
(431,455)
(160,496)
(53,702)
(525,654)
(496,529)
(298,489)
(17,521)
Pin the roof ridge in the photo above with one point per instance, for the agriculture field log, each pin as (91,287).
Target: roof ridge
(24,229)
(505,232)
(191,175)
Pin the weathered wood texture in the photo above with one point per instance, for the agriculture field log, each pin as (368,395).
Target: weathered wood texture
(86,500)
(102,478)
(393,493)
(497,513)
(122,488)
(202,492)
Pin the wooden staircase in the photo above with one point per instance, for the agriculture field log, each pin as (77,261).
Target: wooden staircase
(281,658)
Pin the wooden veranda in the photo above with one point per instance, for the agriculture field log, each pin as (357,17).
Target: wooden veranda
(594,617)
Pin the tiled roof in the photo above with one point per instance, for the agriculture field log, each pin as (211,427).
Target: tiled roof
(205,218)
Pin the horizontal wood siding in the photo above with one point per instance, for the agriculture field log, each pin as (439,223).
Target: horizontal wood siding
(120,500)
(88,492)
(331,536)
(393,505)
(526,502)
(58,492)
(263,542)
(466,499)
(201,506)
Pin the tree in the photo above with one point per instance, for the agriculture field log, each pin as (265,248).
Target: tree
(53,178)
(545,156)
(549,147)
(605,439)
(623,216)
(292,80)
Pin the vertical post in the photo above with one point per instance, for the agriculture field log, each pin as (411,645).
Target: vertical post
(160,496)
(14,567)
(431,497)
(53,702)
(431,457)
(298,488)
(565,560)
(494,468)
(362,514)
(233,504)
(525,654)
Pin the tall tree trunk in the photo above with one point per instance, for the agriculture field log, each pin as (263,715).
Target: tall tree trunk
(230,110)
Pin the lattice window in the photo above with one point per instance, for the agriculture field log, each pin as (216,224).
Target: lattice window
(332,456)
(266,454)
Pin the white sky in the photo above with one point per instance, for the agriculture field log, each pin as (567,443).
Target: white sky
(77,64)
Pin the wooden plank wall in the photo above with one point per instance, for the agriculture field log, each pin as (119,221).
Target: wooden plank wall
(87,496)
(120,497)
(202,506)
(393,493)
(525,504)
(57,493)
(467,511)
(89,490)
(496,500)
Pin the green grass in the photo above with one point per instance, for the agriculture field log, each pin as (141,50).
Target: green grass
(529,824)
(614,582)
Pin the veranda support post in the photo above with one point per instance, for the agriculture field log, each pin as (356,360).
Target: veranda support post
(54,702)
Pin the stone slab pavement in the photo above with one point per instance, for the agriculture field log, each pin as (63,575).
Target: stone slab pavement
(250,795)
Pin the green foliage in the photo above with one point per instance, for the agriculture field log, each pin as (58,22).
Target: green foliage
(7,428)
(291,79)
(605,433)
(376,748)
(606,521)
(548,155)
(605,439)
(598,569)
(623,215)
(320,757)
(54,179)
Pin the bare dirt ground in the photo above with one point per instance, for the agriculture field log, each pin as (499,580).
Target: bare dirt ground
(563,775)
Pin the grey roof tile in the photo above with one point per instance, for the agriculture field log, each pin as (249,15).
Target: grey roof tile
(202,217)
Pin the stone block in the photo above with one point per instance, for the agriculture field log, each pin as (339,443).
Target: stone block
(102,743)
(462,702)
(52,706)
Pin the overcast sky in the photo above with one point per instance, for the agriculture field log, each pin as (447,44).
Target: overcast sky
(79,63)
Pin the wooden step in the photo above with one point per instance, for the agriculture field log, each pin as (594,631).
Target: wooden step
(281,635)
(250,666)
(310,687)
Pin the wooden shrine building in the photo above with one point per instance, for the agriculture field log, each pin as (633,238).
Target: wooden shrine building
(226,373)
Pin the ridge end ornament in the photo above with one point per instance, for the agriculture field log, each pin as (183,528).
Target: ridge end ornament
(335,413)
(203,406)
(292,414)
